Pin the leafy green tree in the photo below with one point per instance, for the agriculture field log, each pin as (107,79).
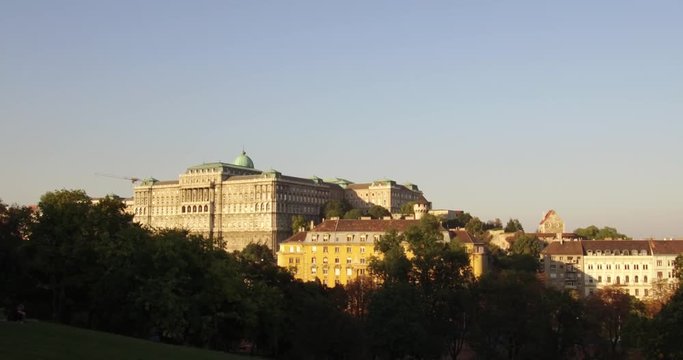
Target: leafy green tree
(460,221)
(394,266)
(476,228)
(592,232)
(396,323)
(494,224)
(610,310)
(661,292)
(316,326)
(432,283)
(678,268)
(299,223)
(353,214)
(513,226)
(408,208)
(359,292)
(517,317)
(378,212)
(663,336)
(527,245)
(266,285)
(60,240)
(15,225)
(335,208)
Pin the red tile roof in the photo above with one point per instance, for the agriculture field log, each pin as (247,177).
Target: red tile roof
(563,248)
(298,237)
(365,225)
(618,245)
(462,235)
(657,247)
(667,246)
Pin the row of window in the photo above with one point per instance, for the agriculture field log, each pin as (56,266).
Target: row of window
(337,249)
(616,266)
(618,279)
(668,263)
(336,260)
(325,249)
(636,292)
(337,272)
(616,252)
(194,209)
(349,237)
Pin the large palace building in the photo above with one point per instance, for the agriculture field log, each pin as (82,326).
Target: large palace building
(236,204)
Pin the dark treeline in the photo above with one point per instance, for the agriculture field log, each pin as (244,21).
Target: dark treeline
(89,265)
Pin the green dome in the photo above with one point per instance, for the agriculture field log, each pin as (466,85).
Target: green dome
(244,161)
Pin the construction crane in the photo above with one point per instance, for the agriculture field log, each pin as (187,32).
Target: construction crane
(132,180)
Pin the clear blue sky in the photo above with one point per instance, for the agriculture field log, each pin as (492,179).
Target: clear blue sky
(500,108)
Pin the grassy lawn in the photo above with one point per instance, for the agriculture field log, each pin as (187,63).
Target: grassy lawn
(39,340)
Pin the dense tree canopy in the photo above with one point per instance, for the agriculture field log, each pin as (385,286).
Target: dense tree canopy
(408,208)
(527,245)
(353,214)
(429,289)
(461,219)
(299,223)
(594,233)
(513,226)
(378,212)
(335,208)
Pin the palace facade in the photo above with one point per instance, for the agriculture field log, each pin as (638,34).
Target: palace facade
(235,204)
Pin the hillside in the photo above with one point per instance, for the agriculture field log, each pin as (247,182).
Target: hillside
(39,340)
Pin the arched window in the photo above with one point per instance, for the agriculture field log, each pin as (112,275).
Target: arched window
(194,208)
(635,279)
(645,279)
(199,208)
(618,281)
(182,209)
(206,208)
(626,279)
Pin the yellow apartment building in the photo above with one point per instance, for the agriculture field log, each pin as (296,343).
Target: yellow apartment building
(339,251)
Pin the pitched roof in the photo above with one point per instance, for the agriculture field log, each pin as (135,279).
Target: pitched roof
(667,246)
(602,245)
(547,215)
(221,165)
(563,248)
(371,225)
(463,236)
(167,182)
(298,237)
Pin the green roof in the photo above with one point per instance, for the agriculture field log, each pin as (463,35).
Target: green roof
(244,161)
(272,173)
(385,181)
(338,181)
(212,165)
